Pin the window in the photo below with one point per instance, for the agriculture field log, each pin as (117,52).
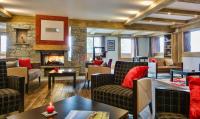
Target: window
(94,42)
(195,41)
(127,48)
(70,45)
(162,40)
(3,43)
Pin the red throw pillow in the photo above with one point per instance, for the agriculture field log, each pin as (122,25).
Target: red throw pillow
(194,85)
(152,60)
(97,62)
(25,63)
(134,74)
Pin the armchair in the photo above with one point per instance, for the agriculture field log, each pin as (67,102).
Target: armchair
(106,88)
(171,103)
(11,91)
(28,74)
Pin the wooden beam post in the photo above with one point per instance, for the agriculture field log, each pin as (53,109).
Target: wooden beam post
(178,12)
(154,7)
(4,13)
(164,20)
(190,1)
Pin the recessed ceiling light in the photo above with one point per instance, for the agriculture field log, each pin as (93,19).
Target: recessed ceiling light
(146,2)
(195,16)
(121,18)
(132,12)
(169,13)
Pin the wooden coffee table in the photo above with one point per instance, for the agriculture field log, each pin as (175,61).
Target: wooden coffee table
(73,103)
(61,72)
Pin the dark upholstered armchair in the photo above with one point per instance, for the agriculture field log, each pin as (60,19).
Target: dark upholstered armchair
(11,91)
(172,104)
(106,88)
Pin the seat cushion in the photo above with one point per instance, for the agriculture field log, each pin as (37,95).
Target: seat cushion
(34,73)
(166,115)
(10,100)
(114,95)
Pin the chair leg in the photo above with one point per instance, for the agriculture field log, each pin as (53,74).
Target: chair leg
(88,83)
(39,80)
(27,85)
(150,107)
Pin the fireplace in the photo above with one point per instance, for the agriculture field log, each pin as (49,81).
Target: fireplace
(52,58)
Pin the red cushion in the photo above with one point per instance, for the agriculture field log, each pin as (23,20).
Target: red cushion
(194,85)
(25,63)
(97,62)
(134,74)
(152,60)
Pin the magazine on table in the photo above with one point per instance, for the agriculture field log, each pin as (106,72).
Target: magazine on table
(80,114)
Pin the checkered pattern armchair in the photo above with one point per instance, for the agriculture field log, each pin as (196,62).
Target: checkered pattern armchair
(106,88)
(172,104)
(11,91)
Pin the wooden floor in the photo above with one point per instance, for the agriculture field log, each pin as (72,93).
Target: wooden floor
(63,88)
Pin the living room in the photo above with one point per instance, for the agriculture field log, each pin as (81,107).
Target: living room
(99,59)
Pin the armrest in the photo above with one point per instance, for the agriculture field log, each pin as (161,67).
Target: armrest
(101,79)
(35,65)
(169,100)
(18,71)
(17,83)
(93,69)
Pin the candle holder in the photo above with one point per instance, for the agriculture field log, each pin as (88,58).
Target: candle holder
(50,110)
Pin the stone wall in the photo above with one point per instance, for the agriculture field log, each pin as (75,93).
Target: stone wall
(19,50)
(79,36)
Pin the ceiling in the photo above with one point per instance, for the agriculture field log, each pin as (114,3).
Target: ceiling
(109,10)
(160,13)
(99,31)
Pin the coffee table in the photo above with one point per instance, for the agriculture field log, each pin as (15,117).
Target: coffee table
(185,73)
(61,72)
(73,103)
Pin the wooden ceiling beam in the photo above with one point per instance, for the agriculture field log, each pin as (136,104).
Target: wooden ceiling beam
(118,25)
(190,1)
(174,21)
(4,13)
(154,7)
(178,12)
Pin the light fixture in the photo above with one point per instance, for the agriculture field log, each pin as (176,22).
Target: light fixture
(195,16)
(132,12)
(169,13)
(146,2)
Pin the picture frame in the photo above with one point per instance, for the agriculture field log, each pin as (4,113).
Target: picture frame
(111,45)
(51,30)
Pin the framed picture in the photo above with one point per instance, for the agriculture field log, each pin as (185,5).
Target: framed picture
(51,30)
(111,45)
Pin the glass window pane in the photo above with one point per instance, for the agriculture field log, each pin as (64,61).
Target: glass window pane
(162,44)
(126,45)
(89,44)
(195,41)
(3,43)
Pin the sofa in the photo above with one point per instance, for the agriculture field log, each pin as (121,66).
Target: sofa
(106,88)
(162,65)
(11,91)
(29,74)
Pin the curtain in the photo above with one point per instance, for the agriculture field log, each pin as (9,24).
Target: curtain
(187,41)
(150,47)
(155,44)
(136,47)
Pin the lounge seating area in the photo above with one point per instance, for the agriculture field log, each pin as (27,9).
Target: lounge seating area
(99,59)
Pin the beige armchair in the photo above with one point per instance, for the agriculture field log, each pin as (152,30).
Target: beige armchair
(28,74)
(94,69)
